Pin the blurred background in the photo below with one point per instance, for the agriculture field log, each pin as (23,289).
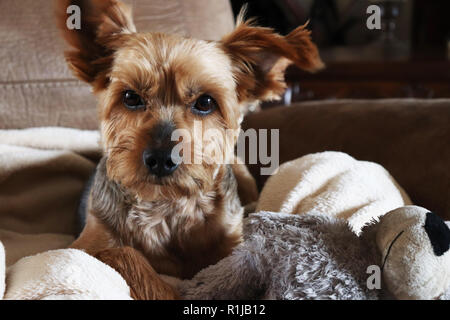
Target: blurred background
(408,57)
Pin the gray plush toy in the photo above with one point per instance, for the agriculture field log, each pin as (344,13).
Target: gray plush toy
(317,256)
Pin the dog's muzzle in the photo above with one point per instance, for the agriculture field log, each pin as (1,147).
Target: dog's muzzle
(159,161)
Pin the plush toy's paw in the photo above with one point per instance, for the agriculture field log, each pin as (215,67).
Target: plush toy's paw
(414,244)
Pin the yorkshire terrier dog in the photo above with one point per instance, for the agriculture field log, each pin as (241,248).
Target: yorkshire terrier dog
(148,214)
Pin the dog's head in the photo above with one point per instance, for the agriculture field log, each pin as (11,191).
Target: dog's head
(157,91)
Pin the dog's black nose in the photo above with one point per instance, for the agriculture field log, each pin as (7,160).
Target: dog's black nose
(159,161)
(438,232)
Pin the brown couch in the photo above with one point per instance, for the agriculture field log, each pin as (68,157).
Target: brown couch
(409,137)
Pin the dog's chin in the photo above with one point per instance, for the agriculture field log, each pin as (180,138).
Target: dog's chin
(171,187)
(185,181)
(159,181)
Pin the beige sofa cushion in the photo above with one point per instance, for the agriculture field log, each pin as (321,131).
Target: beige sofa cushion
(37,88)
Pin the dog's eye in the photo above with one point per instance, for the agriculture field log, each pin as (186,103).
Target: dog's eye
(132,100)
(204,105)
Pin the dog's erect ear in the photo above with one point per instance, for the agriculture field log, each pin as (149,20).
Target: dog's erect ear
(260,57)
(104,24)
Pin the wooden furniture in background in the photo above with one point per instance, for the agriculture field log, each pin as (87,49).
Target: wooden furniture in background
(371,79)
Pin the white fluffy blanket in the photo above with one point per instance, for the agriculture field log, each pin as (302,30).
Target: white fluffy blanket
(68,274)
(331,181)
(335,183)
(42,172)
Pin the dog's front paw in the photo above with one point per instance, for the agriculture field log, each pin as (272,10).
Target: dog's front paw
(144,282)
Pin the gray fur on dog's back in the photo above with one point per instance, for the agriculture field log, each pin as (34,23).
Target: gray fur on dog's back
(291,257)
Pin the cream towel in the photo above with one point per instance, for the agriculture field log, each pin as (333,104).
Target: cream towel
(64,274)
(42,173)
(333,183)
(20,245)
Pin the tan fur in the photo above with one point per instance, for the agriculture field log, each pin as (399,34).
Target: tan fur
(177,237)
(247,188)
(192,218)
(145,283)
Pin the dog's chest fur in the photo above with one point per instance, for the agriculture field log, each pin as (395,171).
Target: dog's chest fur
(178,237)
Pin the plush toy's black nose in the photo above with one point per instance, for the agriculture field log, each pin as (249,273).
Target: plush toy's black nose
(438,232)
(159,161)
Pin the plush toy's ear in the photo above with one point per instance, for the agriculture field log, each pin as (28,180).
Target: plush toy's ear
(104,23)
(260,57)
